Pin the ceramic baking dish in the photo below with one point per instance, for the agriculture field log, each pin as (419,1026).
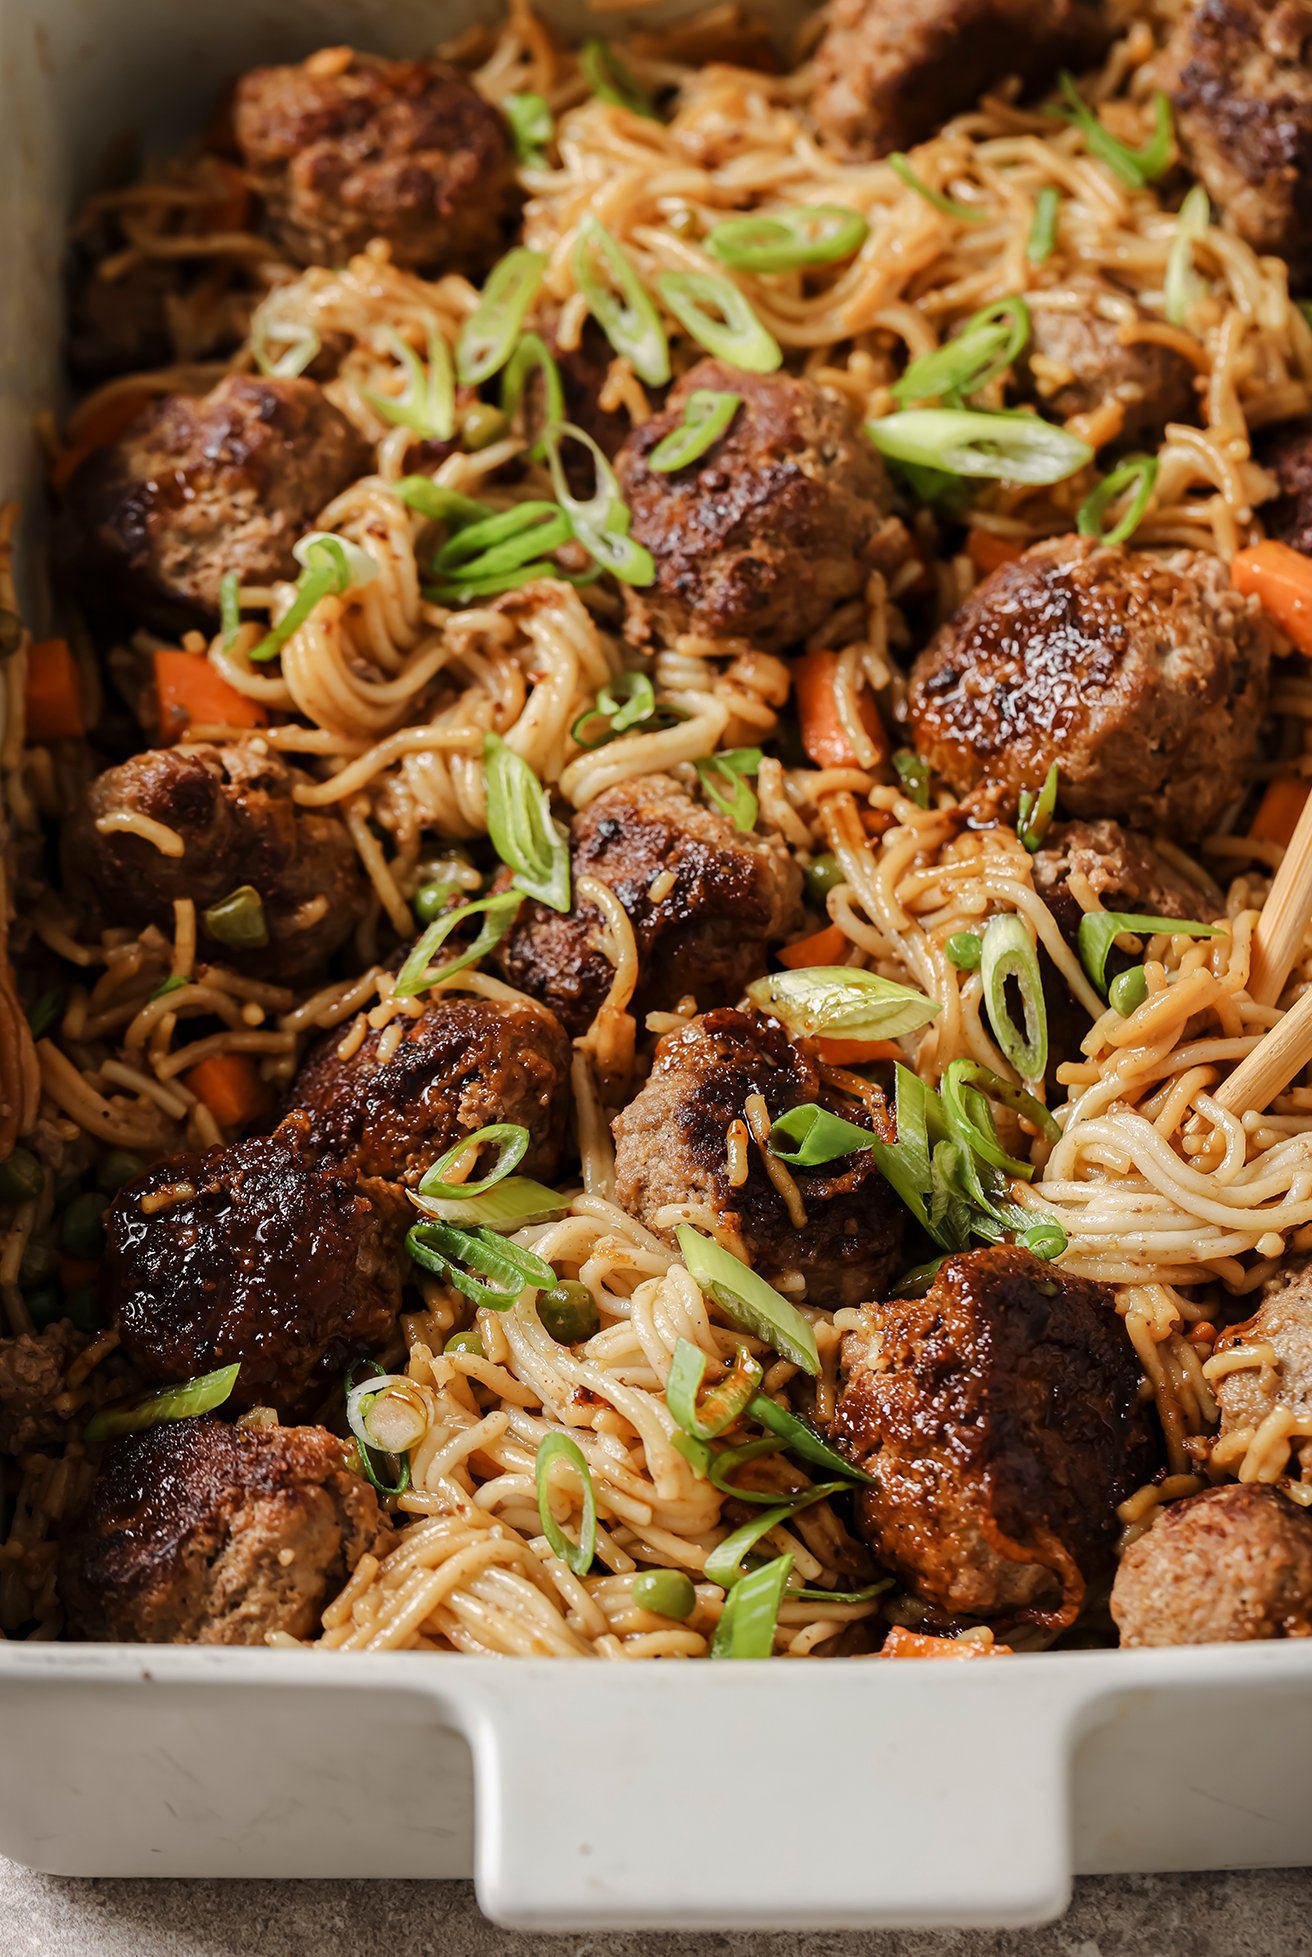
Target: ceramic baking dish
(842,1794)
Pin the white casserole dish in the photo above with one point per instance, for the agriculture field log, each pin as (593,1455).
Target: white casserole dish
(848,1794)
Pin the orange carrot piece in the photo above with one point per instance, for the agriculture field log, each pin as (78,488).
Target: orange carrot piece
(230,1086)
(855,1053)
(52,700)
(104,425)
(988,552)
(901,1643)
(190,691)
(823,734)
(1279,810)
(823,947)
(1281,580)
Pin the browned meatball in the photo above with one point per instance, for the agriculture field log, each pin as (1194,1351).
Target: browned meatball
(1240,75)
(671,1161)
(584,370)
(255,1252)
(201,1533)
(346,147)
(1287,451)
(1224,1567)
(461,1064)
(1121,869)
(1001,1419)
(32,1373)
(195,487)
(781,520)
(1280,1334)
(1077,361)
(233,808)
(730,896)
(1145,677)
(891,72)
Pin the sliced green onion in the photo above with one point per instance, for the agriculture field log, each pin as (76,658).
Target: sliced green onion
(392,1398)
(751,1611)
(913,773)
(724,1563)
(522,828)
(985,347)
(506,548)
(194,1396)
(455,1254)
(1181,288)
(966,1089)
(669,1593)
(428,405)
(1043,229)
(1099,931)
(470,589)
(726,1461)
(1019,448)
(706,414)
(229,607)
(1046,1238)
(723,1404)
(817,1136)
(238,920)
(568,1312)
(1128,990)
(435,500)
(601,523)
(612,80)
(1137,470)
(839,1000)
(727,771)
(329,565)
(1009,958)
(300,345)
(174,983)
(626,700)
(1134,167)
(720,318)
(964,213)
(532,356)
(511,1143)
(800,1438)
(45,1010)
(432,899)
(531,126)
(785,240)
(619,303)
(965,949)
(488,336)
(863,1596)
(511,1204)
(1034,812)
(498,914)
(578,1555)
(748,1299)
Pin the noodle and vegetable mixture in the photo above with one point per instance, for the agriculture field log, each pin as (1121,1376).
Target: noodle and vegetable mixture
(654,1009)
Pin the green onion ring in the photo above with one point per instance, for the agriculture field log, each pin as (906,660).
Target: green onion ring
(621,307)
(751,1611)
(1018,448)
(723,1404)
(488,336)
(511,1141)
(720,318)
(706,414)
(785,240)
(1137,471)
(1009,956)
(578,1555)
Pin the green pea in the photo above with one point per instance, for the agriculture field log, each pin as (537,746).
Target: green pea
(45,1305)
(481,425)
(822,876)
(83,1307)
(569,1312)
(465,1342)
(21,1177)
(40,1262)
(238,920)
(431,899)
(668,1592)
(965,949)
(1128,990)
(82,1226)
(117,1166)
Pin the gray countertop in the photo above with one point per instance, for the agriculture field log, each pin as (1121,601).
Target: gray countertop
(1251,1915)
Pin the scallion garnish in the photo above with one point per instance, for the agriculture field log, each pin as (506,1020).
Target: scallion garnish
(455,1254)
(723,779)
(300,345)
(612,80)
(619,302)
(193,1396)
(1134,167)
(238,920)
(1001,447)
(578,1555)
(1010,959)
(428,405)
(825,1001)
(725,1403)
(902,170)
(386,1411)
(488,336)
(1034,812)
(748,1299)
(522,828)
(510,1140)
(45,1010)
(785,240)
(626,701)
(1180,288)
(531,126)
(1099,931)
(913,773)
(508,1206)
(724,1463)
(601,522)
(817,1136)
(801,1439)
(229,608)
(355,1387)
(1138,472)
(329,566)
(720,318)
(498,914)
(724,1563)
(966,1089)
(985,347)
(706,414)
(532,356)
(751,1611)
(173,983)
(499,552)
(1043,229)
(440,504)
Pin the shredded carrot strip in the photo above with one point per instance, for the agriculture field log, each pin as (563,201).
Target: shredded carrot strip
(190,692)
(52,703)
(824,947)
(1279,810)
(823,734)
(1281,580)
(230,1087)
(988,552)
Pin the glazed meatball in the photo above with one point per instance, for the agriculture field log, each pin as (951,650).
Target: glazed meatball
(1000,1416)
(346,147)
(671,1161)
(1280,1332)
(201,1533)
(255,1252)
(782,519)
(705,901)
(233,808)
(1121,869)
(33,1366)
(461,1064)
(1286,451)
(891,72)
(1145,677)
(1240,75)
(1224,1567)
(1077,361)
(196,487)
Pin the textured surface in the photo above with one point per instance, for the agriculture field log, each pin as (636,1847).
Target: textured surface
(1137,1916)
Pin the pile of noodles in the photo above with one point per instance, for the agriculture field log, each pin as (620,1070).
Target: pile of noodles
(384,698)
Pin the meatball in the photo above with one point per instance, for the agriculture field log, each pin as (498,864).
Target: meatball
(461,1064)
(891,72)
(1286,451)
(782,519)
(1144,676)
(1121,869)
(196,487)
(201,1533)
(1078,361)
(346,147)
(259,1253)
(671,1161)
(234,810)
(1283,1378)
(1000,1416)
(1240,75)
(584,371)
(1223,1567)
(705,901)
(32,1381)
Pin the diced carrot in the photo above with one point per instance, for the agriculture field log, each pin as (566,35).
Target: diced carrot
(1281,579)
(824,947)
(855,1053)
(901,1643)
(1279,810)
(230,1086)
(190,691)
(988,552)
(74,1272)
(823,734)
(104,425)
(52,699)
(231,208)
